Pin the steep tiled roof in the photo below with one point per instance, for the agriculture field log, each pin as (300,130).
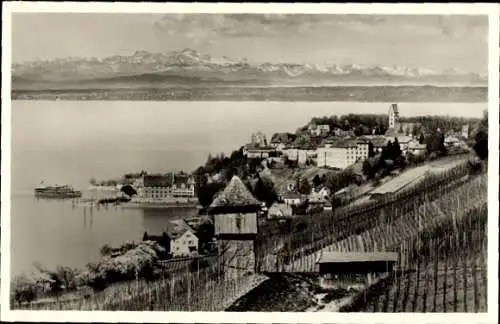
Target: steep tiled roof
(157,181)
(166,180)
(176,230)
(235,194)
(395,109)
(181,179)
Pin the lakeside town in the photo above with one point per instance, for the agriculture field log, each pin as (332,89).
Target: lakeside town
(288,183)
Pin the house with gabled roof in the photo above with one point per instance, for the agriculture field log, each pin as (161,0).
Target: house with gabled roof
(183,241)
(279,211)
(292,198)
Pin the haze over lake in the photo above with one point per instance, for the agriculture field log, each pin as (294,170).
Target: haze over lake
(70,142)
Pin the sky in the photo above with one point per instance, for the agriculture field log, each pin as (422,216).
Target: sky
(437,42)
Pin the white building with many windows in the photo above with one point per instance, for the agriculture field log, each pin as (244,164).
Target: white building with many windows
(165,188)
(342,154)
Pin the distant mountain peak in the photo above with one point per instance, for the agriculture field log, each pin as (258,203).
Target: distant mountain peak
(191,63)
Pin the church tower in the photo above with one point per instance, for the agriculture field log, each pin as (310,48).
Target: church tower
(393,116)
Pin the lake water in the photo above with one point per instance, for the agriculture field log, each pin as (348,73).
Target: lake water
(71,142)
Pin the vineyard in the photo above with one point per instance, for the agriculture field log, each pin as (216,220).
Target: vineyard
(445,268)
(182,290)
(438,226)
(442,264)
(296,251)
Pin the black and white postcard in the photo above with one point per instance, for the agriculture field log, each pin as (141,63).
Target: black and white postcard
(211,159)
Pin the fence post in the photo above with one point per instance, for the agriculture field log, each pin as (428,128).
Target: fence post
(397,282)
(426,274)
(464,267)
(445,282)
(375,302)
(387,286)
(455,266)
(474,276)
(436,275)
(483,262)
(189,292)
(415,294)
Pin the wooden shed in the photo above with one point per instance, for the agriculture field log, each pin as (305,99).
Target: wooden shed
(356,262)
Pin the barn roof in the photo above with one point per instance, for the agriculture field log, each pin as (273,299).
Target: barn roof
(343,257)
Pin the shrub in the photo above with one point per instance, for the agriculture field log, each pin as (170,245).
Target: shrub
(475,166)
(26,288)
(67,277)
(415,158)
(300,226)
(314,209)
(106,250)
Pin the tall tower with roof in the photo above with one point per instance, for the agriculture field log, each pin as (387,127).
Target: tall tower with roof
(393,116)
(235,218)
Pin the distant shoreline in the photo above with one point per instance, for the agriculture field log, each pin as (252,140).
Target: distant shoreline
(368,93)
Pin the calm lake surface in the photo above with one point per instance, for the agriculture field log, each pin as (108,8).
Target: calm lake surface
(73,141)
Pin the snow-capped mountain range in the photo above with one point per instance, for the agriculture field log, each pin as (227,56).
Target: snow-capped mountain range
(192,67)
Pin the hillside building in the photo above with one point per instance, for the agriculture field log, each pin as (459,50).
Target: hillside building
(319,130)
(465,131)
(258,140)
(235,218)
(257,152)
(341,154)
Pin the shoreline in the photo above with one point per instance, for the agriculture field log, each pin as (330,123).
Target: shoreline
(132,205)
(362,93)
